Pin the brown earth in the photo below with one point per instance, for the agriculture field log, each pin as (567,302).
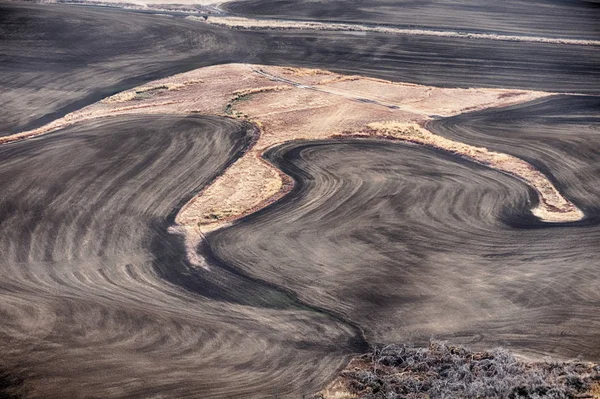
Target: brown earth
(306,104)
(250,23)
(415,372)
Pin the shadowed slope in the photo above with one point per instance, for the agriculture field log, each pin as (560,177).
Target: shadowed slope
(90,298)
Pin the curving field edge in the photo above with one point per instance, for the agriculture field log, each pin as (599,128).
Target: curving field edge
(288,104)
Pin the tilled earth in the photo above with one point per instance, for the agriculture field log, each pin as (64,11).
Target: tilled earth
(56,59)
(378,242)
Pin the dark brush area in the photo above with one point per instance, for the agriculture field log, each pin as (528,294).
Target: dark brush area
(446,371)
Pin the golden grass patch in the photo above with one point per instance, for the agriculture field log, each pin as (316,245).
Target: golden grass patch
(308,104)
(553,207)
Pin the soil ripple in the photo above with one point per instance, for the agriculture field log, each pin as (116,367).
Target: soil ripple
(558,135)
(412,243)
(95,286)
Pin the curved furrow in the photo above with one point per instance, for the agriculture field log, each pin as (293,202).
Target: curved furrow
(559,136)
(411,243)
(533,18)
(97,298)
(58,58)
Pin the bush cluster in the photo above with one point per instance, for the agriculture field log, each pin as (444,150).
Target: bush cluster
(444,371)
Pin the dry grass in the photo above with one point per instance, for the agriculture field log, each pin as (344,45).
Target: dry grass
(594,391)
(338,389)
(249,23)
(248,92)
(242,95)
(302,72)
(553,206)
(304,104)
(245,185)
(52,126)
(143,92)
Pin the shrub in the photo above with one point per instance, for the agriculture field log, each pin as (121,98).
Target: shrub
(445,371)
